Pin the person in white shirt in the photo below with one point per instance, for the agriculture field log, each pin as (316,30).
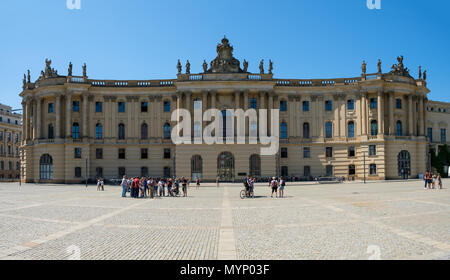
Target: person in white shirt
(124,185)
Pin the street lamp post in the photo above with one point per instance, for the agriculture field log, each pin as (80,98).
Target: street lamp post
(364,164)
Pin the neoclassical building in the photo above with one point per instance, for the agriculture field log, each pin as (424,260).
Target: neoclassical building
(10,142)
(75,126)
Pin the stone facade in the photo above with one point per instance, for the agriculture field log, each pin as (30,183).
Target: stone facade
(10,142)
(328,126)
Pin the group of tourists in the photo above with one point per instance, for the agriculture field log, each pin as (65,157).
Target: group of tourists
(155,187)
(431,180)
(276,185)
(100,184)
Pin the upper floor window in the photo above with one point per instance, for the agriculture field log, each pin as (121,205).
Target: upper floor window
(253,103)
(144,131)
(51,132)
(398,103)
(77,153)
(373,103)
(121,133)
(51,108)
(99,153)
(144,107)
(283,130)
(284,153)
(399,128)
(328,130)
(351,104)
(166,106)
(167,131)
(329,152)
(443,135)
(98,107)
(306,152)
(76,131)
(374,128)
(306,134)
(328,105)
(121,107)
(351,129)
(122,154)
(430,134)
(76,106)
(372,150)
(305,106)
(283,105)
(144,153)
(99,131)
(167,153)
(351,152)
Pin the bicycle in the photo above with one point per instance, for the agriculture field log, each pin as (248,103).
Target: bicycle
(244,194)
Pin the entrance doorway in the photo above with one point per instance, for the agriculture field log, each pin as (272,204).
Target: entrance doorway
(225,167)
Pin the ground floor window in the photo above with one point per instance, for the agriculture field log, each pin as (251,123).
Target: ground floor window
(78,172)
(99,172)
(351,170)
(196,167)
(46,167)
(122,172)
(372,150)
(255,166)
(166,172)
(329,171)
(307,171)
(284,171)
(373,169)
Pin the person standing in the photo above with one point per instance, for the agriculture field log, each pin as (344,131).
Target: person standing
(197,182)
(274,186)
(124,185)
(425,178)
(161,188)
(282,185)
(184,186)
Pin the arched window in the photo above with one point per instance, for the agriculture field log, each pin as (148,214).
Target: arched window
(144,131)
(351,129)
(99,131)
(196,167)
(399,128)
(51,131)
(374,128)
(328,130)
(306,134)
(76,131)
(121,131)
(283,130)
(167,131)
(46,167)
(255,166)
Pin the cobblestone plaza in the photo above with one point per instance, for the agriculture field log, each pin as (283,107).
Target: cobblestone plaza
(379,220)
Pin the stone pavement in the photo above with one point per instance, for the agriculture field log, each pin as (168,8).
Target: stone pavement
(383,220)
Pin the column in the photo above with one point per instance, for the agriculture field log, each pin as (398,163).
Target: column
(410,115)
(38,118)
(269,114)
(364,119)
(26,119)
(213,100)
(85,115)
(391,114)
(421,117)
(68,115)
(152,124)
(262,100)
(380,107)
(158,116)
(246,100)
(337,129)
(58,116)
(314,121)
(319,115)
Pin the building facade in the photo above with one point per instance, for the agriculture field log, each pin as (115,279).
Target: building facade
(75,126)
(10,142)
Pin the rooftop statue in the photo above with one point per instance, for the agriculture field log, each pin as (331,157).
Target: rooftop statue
(379,66)
(245,64)
(24,81)
(188,67)
(84,71)
(261,66)
(225,62)
(420,72)
(205,66)
(399,69)
(179,67)
(425,75)
(70,69)
(270,66)
(29,76)
(364,67)
(49,71)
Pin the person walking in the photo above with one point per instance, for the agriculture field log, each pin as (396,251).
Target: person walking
(197,183)
(425,179)
(99,184)
(439,181)
(124,185)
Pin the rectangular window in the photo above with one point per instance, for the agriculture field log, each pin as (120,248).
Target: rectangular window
(329,152)
(167,153)
(307,171)
(144,153)
(443,135)
(373,169)
(329,171)
(373,103)
(328,105)
(305,106)
(284,153)
(98,107)
(51,108)
(77,153)
(351,105)
(372,150)
(1,135)
(398,103)
(284,171)
(351,170)
(351,152)
(99,153)
(253,103)
(167,106)
(430,134)
(99,172)
(144,107)
(121,153)
(306,152)
(78,172)
(121,107)
(122,172)
(283,106)
(76,106)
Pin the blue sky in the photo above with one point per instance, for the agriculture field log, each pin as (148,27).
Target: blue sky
(142,39)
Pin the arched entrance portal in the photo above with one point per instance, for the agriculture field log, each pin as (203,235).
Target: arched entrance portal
(225,167)
(404,164)
(196,167)
(46,167)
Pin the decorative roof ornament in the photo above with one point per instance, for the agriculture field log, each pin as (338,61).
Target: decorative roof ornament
(49,71)
(364,68)
(28,76)
(270,66)
(400,69)
(188,67)
(261,66)
(84,71)
(225,62)
(379,67)
(69,71)
(420,72)
(179,67)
